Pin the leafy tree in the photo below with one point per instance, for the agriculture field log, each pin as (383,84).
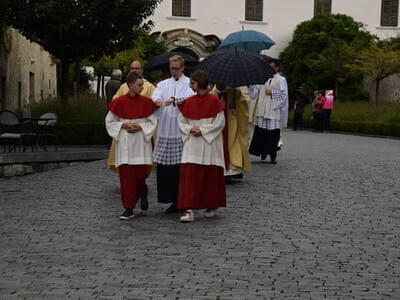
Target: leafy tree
(145,47)
(73,30)
(378,61)
(319,51)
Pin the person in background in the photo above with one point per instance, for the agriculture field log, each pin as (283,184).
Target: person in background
(235,133)
(148,88)
(131,122)
(201,121)
(319,103)
(271,98)
(327,109)
(298,109)
(113,85)
(285,107)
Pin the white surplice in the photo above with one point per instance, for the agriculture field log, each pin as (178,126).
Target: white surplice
(132,148)
(168,148)
(208,148)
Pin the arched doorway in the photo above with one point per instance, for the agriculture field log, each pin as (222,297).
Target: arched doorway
(189,41)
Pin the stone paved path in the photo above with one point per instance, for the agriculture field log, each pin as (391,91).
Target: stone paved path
(322,223)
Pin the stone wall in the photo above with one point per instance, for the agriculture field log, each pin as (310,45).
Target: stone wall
(389,89)
(27,72)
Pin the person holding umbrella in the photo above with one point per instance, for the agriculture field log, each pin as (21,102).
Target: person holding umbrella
(201,121)
(168,148)
(235,133)
(271,98)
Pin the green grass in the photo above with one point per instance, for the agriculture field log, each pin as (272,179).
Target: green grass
(363,117)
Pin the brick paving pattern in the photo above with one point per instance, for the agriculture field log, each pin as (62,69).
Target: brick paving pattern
(323,223)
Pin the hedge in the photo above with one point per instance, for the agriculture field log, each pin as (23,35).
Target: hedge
(82,134)
(363,127)
(96,134)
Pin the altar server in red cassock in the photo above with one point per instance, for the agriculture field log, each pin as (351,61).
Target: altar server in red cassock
(131,122)
(201,121)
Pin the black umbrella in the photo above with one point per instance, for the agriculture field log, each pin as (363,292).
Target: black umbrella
(161,62)
(236,67)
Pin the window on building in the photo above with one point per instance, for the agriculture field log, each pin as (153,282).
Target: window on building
(322,7)
(254,10)
(390,12)
(3,91)
(19,94)
(181,8)
(31,87)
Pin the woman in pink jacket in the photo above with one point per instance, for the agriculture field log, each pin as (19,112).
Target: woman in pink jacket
(327,109)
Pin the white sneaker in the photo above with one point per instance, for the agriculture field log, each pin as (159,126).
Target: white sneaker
(209,213)
(188,216)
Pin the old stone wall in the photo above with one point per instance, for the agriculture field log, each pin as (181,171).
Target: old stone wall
(389,89)
(27,72)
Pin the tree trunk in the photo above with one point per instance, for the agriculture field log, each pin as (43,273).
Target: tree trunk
(378,81)
(102,86)
(98,85)
(64,80)
(336,91)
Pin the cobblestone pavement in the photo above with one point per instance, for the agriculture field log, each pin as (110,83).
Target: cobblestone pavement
(322,223)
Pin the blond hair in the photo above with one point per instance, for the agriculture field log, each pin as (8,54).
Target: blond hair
(177,58)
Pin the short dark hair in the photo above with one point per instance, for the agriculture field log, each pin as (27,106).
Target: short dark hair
(132,77)
(201,78)
(274,61)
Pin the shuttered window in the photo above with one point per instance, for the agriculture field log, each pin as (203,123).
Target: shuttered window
(181,8)
(254,10)
(322,7)
(390,12)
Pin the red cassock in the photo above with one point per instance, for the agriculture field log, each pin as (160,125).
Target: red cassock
(201,186)
(132,177)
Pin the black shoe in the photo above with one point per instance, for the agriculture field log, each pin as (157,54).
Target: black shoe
(144,204)
(273,161)
(278,148)
(263,156)
(127,214)
(238,176)
(172,209)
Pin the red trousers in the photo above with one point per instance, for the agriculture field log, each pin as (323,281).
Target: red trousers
(133,183)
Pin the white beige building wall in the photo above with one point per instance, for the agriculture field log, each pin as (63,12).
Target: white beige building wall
(29,71)
(280,18)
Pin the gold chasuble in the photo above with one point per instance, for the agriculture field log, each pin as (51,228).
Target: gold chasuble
(237,118)
(148,89)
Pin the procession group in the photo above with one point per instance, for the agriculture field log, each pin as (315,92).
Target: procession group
(195,132)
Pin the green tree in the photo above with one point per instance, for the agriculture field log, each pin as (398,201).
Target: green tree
(319,51)
(73,30)
(146,46)
(379,61)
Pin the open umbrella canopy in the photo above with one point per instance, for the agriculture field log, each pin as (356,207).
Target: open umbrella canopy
(236,67)
(161,62)
(248,40)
